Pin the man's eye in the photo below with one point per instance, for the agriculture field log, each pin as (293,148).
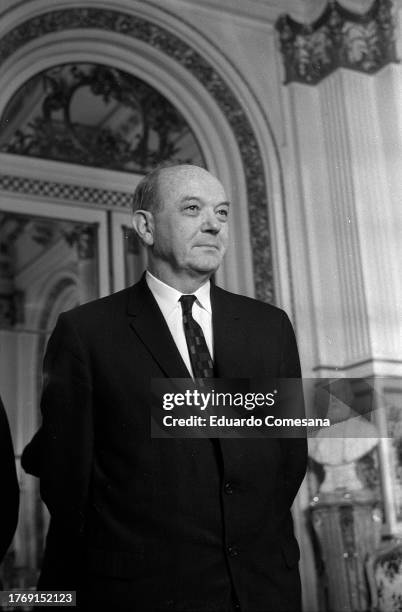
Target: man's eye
(192,207)
(223,212)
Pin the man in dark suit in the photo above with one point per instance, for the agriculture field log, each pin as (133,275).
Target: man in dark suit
(189,525)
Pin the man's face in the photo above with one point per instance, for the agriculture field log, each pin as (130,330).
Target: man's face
(191,230)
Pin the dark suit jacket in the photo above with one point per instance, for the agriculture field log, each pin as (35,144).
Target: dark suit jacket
(9,485)
(150,521)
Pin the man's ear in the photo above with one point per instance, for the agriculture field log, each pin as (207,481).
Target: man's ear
(143,223)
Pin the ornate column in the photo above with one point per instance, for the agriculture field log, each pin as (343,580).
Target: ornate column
(348,529)
(341,74)
(342,111)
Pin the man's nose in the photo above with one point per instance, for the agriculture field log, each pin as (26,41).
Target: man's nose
(210,223)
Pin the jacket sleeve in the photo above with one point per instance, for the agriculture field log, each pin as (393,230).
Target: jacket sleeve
(9,484)
(60,453)
(294,449)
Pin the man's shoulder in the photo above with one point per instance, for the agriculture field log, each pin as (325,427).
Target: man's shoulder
(107,306)
(249,306)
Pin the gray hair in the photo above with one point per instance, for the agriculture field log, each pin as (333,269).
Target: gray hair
(146,195)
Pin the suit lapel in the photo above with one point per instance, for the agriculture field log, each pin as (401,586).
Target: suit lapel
(230,340)
(148,323)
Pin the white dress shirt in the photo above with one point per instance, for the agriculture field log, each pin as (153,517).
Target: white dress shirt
(168,301)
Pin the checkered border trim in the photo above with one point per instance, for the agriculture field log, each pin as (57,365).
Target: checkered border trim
(104,198)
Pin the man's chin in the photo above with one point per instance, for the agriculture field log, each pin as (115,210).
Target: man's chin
(206,266)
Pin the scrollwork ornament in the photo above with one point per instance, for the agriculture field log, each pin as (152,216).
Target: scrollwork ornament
(339,38)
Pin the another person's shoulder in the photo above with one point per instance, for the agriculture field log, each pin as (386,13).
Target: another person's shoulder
(3,417)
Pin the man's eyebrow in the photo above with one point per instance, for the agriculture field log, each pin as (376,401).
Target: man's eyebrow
(197,199)
(188,198)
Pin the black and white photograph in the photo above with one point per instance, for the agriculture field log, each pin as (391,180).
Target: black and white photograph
(201,305)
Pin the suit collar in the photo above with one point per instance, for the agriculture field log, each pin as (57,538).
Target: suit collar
(229,334)
(148,323)
(168,297)
(150,326)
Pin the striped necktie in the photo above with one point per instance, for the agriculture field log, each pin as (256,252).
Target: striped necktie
(200,358)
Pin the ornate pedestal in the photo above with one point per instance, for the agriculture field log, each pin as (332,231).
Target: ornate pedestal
(348,527)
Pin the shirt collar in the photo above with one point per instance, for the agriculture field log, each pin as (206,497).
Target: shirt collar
(170,296)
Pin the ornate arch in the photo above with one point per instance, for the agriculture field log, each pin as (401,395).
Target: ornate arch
(189,58)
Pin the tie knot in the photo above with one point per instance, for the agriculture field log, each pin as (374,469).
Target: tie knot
(187,302)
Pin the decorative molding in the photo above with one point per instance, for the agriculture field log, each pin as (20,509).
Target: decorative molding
(132,127)
(180,51)
(337,39)
(84,238)
(11,308)
(104,198)
(53,295)
(361,369)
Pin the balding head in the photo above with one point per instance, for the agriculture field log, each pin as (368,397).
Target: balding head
(148,194)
